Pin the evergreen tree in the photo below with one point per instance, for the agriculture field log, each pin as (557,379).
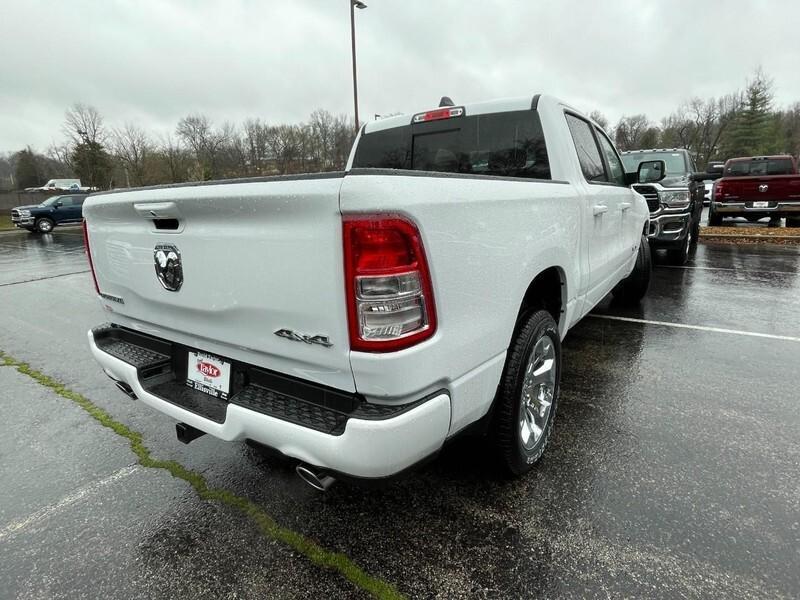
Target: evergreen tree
(27,171)
(92,163)
(754,130)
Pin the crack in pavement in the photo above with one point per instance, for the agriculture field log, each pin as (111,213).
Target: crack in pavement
(318,555)
(42,278)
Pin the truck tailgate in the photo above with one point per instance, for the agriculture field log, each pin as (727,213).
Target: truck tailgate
(257,257)
(778,187)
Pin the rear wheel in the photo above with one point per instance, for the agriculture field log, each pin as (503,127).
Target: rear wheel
(528,393)
(634,287)
(44,225)
(714,219)
(793,221)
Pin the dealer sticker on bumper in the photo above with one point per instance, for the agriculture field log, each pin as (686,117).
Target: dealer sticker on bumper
(209,374)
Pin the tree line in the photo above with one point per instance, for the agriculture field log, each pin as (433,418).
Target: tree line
(129,156)
(742,123)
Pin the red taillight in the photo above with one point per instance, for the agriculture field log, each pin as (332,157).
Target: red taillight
(389,293)
(89,255)
(438,114)
(719,188)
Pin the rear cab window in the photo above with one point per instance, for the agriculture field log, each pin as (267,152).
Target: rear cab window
(505,144)
(759,166)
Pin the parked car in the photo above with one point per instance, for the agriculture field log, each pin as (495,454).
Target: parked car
(355,321)
(57,210)
(62,185)
(713,172)
(757,187)
(676,202)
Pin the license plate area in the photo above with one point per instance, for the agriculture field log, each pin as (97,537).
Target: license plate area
(761,204)
(208,373)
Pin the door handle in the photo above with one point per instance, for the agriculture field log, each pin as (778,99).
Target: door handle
(157,210)
(625,206)
(599,209)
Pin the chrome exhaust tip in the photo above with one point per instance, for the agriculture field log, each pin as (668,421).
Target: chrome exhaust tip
(318,480)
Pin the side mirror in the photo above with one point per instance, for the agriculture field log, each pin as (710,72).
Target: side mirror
(57,204)
(651,171)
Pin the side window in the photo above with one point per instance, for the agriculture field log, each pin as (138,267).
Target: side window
(66,201)
(79,200)
(616,170)
(586,147)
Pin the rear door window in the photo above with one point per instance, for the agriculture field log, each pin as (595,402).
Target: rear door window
(586,147)
(616,170)
(508,144)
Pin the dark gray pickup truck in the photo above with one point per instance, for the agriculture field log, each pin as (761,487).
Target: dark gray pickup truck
(42,218)
(675,203)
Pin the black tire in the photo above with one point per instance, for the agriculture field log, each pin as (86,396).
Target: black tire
(753,219)
(774,223)
(695,235)
(793,221)
(44,225)
(534,331)
(714,219)
(679,256)
(633,288)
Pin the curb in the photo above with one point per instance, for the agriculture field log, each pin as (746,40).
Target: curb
(749,237)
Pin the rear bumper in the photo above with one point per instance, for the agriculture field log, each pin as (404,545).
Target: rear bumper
(774,208)
(369,447)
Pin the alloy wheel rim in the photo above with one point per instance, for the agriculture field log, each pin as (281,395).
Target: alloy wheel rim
(538,390)
(45,226)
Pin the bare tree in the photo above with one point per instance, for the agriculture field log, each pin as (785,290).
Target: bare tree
(83,123)
(174,159)
(283,142)
(132,148)
(600,119)
(206,144)
(256,146)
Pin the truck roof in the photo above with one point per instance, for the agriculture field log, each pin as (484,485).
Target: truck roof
(654,150)
(773,157)
(472,108)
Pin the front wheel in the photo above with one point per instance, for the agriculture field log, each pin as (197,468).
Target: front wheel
(528,394)
(634,287)
(44,225)
(679,256)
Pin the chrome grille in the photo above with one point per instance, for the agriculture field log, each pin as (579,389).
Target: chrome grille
(650,194)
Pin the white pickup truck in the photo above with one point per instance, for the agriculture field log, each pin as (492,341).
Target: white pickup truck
(356,321)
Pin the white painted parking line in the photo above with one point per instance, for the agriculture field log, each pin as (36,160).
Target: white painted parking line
(765,271)
(699,327)
(78,495)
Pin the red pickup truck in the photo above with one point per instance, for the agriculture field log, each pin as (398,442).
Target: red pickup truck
(757,187)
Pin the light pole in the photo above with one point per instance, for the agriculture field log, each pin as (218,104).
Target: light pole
(354,4)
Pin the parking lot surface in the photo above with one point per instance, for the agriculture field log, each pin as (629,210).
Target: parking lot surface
(673,471)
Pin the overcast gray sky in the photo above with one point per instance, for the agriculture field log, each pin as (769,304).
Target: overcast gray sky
(153,61)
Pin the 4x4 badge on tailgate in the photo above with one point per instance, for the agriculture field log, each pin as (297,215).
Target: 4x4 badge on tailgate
(322,340)
(169,269)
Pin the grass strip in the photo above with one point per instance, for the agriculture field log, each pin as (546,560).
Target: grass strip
(6,224)
(314,552)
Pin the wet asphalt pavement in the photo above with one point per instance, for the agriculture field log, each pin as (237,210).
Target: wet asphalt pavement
(674,469)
